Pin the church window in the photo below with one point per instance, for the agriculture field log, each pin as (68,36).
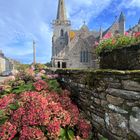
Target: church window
(138,29)
(62,32)
(86,56)
(81,56)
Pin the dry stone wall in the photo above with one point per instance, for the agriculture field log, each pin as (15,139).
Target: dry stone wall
(110,99)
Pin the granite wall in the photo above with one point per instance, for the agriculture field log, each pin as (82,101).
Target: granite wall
(110,99)
(127,58)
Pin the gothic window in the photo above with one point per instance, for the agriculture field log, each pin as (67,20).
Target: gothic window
(81,56)
(62,32)
(87,56)
(84,56)
(138,29)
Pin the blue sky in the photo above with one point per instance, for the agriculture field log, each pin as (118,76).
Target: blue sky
(22,21)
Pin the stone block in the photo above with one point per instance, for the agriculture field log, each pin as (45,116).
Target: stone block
(131,85)
(129,95)
(134,121)
(114,100)
(117,109)
(116,124)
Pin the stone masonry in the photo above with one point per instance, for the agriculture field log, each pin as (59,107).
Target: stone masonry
(109,99)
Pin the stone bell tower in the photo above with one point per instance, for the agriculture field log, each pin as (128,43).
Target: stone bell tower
(60,39)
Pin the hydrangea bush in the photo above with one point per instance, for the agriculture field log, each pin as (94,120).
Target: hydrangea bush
(39,112)
(120,41)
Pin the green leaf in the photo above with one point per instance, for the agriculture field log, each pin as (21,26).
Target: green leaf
(70,134)
(62,132)
(1,112)
(3,119)
(14,106)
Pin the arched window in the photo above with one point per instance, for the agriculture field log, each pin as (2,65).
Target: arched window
(62,32)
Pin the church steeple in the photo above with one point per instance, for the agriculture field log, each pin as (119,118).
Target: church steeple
(139,21)
(61,17)
(122,17)
(61,13)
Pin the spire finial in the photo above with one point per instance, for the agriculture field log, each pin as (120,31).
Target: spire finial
(61,13)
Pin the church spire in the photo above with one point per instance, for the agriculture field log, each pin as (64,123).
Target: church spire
(122,17)
(61,13)
(139,21)
(101,34)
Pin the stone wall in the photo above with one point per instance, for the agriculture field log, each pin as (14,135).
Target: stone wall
(110,99)
(127,58)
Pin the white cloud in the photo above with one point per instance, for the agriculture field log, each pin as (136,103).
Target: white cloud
(130,4)
(82,10)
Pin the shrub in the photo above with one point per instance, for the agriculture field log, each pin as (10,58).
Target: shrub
(117,42)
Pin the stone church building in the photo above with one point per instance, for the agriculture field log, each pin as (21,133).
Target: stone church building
(76,48)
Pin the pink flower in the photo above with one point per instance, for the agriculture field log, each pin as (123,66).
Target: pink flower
(54,128)
(107,35)
(29,133)
(43,71)
(84,128)
(7,131)
(6,100)
(40,85)
(126,33)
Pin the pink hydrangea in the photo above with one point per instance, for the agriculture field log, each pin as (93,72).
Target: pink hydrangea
(29,133)
(40,85)
(7,131)
(84,128)
(6,100)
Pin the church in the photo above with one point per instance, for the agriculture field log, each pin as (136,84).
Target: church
(76,48)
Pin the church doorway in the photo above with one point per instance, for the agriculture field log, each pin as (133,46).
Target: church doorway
(58,64)
(64,65)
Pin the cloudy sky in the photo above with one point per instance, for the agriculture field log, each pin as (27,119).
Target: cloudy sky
(22,21)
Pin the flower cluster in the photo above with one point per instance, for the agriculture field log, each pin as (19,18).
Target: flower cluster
(7,131)
(40,85)
(84,128)
(6,100)
(120,41)
(29,133)
(40,114)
